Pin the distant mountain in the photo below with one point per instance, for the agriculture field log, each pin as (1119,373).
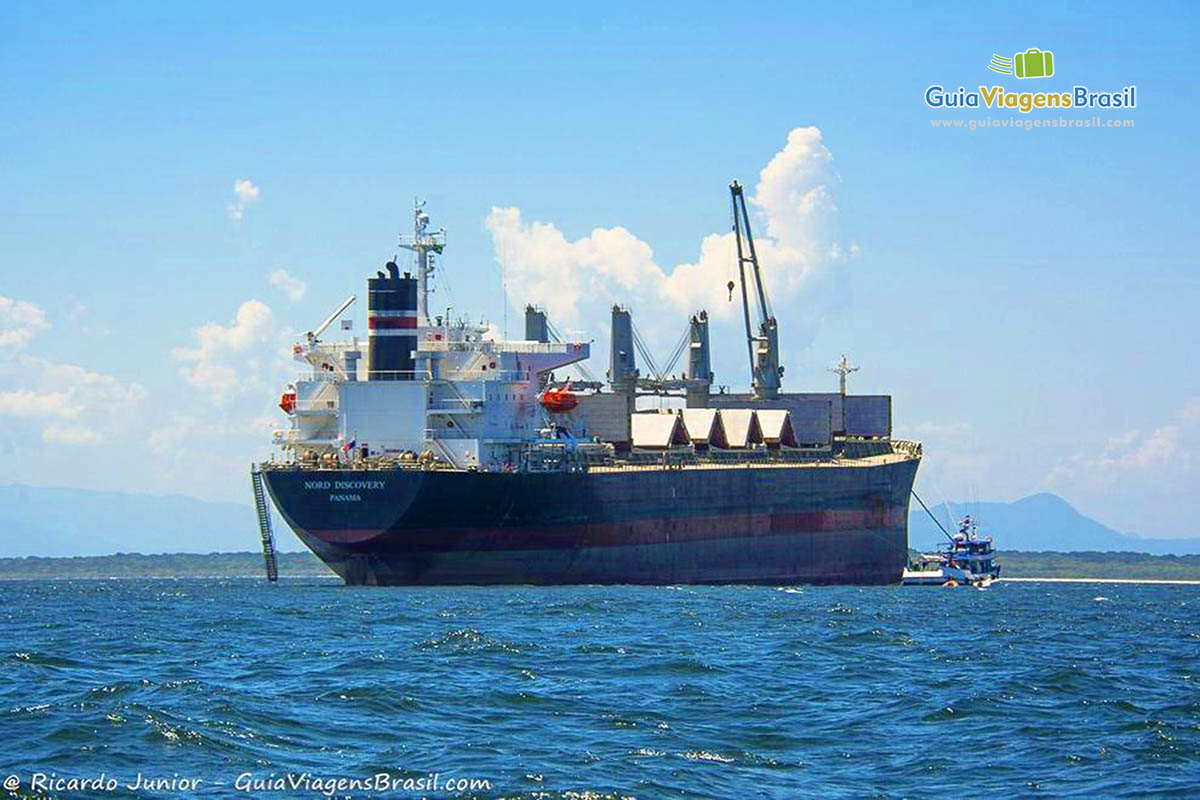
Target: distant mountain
(173,565)
(79,522)
(1040,522)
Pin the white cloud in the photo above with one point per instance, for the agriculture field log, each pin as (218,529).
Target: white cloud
(954,464)
(77,309)
(957,432)
(19,323)
(27,403)
(1189,413)
(210,365)
(245,193)
(578,280)
(173,437)
(70,434)
(291,286)
(543,267)
(54,394)
(241,367)
(1141,479)
(1160,457)
(51,392)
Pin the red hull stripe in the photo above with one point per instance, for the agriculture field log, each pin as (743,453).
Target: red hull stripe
(387,323)
(634,532)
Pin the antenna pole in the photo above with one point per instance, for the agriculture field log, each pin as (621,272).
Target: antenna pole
(422,266)
(842,369)
(426,245)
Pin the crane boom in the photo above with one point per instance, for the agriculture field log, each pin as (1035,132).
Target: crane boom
(316,332)
(763,346)
(735,191)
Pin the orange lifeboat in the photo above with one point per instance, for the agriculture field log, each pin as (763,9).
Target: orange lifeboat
(559,401)
(287,401)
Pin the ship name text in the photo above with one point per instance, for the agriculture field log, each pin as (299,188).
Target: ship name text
(343,485)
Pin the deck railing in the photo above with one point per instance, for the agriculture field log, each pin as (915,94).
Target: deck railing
(552,456)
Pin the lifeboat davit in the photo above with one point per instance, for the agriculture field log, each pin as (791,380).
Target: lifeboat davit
(287,401)
(559,401)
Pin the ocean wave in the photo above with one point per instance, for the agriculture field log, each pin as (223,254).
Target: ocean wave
(613,691)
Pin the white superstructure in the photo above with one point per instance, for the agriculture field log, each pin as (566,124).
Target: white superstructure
(470,401)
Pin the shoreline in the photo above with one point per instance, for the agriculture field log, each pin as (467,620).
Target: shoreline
(332,577)
(1018,567)
(1167,581)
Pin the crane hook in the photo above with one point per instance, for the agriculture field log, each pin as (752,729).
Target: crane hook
(729,286)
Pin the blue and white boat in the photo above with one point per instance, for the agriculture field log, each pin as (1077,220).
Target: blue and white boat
(967,560)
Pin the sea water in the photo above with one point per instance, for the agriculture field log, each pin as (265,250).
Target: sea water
(307,688)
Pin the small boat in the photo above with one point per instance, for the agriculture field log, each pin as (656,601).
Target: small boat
(968,560)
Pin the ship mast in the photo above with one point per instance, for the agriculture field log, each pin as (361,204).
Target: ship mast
(842,369)
(763,347)
(427,245)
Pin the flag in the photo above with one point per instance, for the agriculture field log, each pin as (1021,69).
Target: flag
(348,446)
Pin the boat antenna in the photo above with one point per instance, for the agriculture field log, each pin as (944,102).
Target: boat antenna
(931,516)
(947,506)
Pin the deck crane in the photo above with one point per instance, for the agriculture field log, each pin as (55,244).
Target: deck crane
(762,346)
(314,335)
(315,356)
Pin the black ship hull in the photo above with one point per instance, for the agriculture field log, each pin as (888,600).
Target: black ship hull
(760,524)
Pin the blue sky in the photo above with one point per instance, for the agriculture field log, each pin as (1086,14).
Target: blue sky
(1028,297)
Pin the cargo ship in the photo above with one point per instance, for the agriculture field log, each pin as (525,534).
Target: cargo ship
(431,453)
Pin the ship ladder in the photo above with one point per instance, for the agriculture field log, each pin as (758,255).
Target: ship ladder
(264,524)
